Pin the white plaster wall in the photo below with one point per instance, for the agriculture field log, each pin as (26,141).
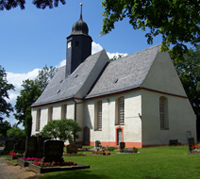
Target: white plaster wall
(70,109)
(34,116)
(56,114)
(180,114)
(132,126)
(163,77)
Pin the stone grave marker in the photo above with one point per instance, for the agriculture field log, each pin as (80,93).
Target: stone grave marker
(71,149)
(78,144)
(20,146)
(53,151)
(9,146)
(40,146)
(122,145)
(191,143)
(96,144)
(31,147)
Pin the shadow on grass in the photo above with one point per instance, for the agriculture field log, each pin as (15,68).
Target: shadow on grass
(150,177)
(74,174)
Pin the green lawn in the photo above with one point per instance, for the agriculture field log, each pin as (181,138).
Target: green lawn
(150,163)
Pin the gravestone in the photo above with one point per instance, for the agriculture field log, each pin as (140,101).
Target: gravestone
(20,146)
(96,143)
(40,146)
(31,147)
(53,151)
(191,143)
(78,144)
(122,145)
(71,149)
(9,146)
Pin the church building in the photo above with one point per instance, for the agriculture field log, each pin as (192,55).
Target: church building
(137,99)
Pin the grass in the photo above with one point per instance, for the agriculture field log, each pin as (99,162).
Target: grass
(150,163)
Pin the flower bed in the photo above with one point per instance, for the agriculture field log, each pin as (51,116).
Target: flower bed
(13,155)
(44,167)
(23,163)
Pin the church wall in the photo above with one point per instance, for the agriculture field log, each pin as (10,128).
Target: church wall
(132,127)
(180,116)
(163,77)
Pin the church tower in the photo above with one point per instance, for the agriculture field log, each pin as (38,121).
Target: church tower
(79,45)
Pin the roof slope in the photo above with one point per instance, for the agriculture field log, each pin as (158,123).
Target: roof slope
(61,88)
(126,73)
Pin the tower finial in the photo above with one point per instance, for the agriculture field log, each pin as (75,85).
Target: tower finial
(81,4)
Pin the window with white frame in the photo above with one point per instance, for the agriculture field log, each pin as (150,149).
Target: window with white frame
(99,115)
(163,109)
(119,111)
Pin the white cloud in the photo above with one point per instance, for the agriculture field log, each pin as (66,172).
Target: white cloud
(96,47)
(111,55)
(62,63)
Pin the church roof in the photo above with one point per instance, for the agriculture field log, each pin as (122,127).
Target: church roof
(62,88)
(120,75)
(125,73)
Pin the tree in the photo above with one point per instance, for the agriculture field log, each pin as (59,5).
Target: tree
(8,4)
(32,89)
(115,57)
(64,129)
(4,127)
(5,107)
(177,21)
(188,69)
(16,133)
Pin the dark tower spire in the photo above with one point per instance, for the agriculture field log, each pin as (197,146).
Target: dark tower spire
(78,45)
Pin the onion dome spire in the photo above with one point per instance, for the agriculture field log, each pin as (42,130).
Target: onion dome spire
(80,27)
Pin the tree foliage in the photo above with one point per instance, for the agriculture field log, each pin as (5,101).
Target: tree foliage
(188,69)
(32,89)
(4,126)
(176,21)
(64,129)
(5,107)
(9,4)
(16,133)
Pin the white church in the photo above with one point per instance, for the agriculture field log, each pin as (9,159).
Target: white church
(137,99)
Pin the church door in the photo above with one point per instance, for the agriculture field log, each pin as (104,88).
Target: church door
(119,136)
(86,135)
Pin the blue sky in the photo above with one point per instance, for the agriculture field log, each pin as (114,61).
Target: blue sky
(33,38)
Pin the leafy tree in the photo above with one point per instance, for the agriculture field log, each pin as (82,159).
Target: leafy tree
(5,107)
(64,129)
(188,69)
(4,127)
(16,133)
(32,89)
(44,76)
(115,57)
(8,4)
(176,21)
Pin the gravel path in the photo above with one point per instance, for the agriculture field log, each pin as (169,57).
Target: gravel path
(9,171)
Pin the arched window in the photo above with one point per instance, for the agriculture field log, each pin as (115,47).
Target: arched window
(164,123)
(99,115)
(120,111)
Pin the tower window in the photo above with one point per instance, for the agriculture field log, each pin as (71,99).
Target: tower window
(76,43)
